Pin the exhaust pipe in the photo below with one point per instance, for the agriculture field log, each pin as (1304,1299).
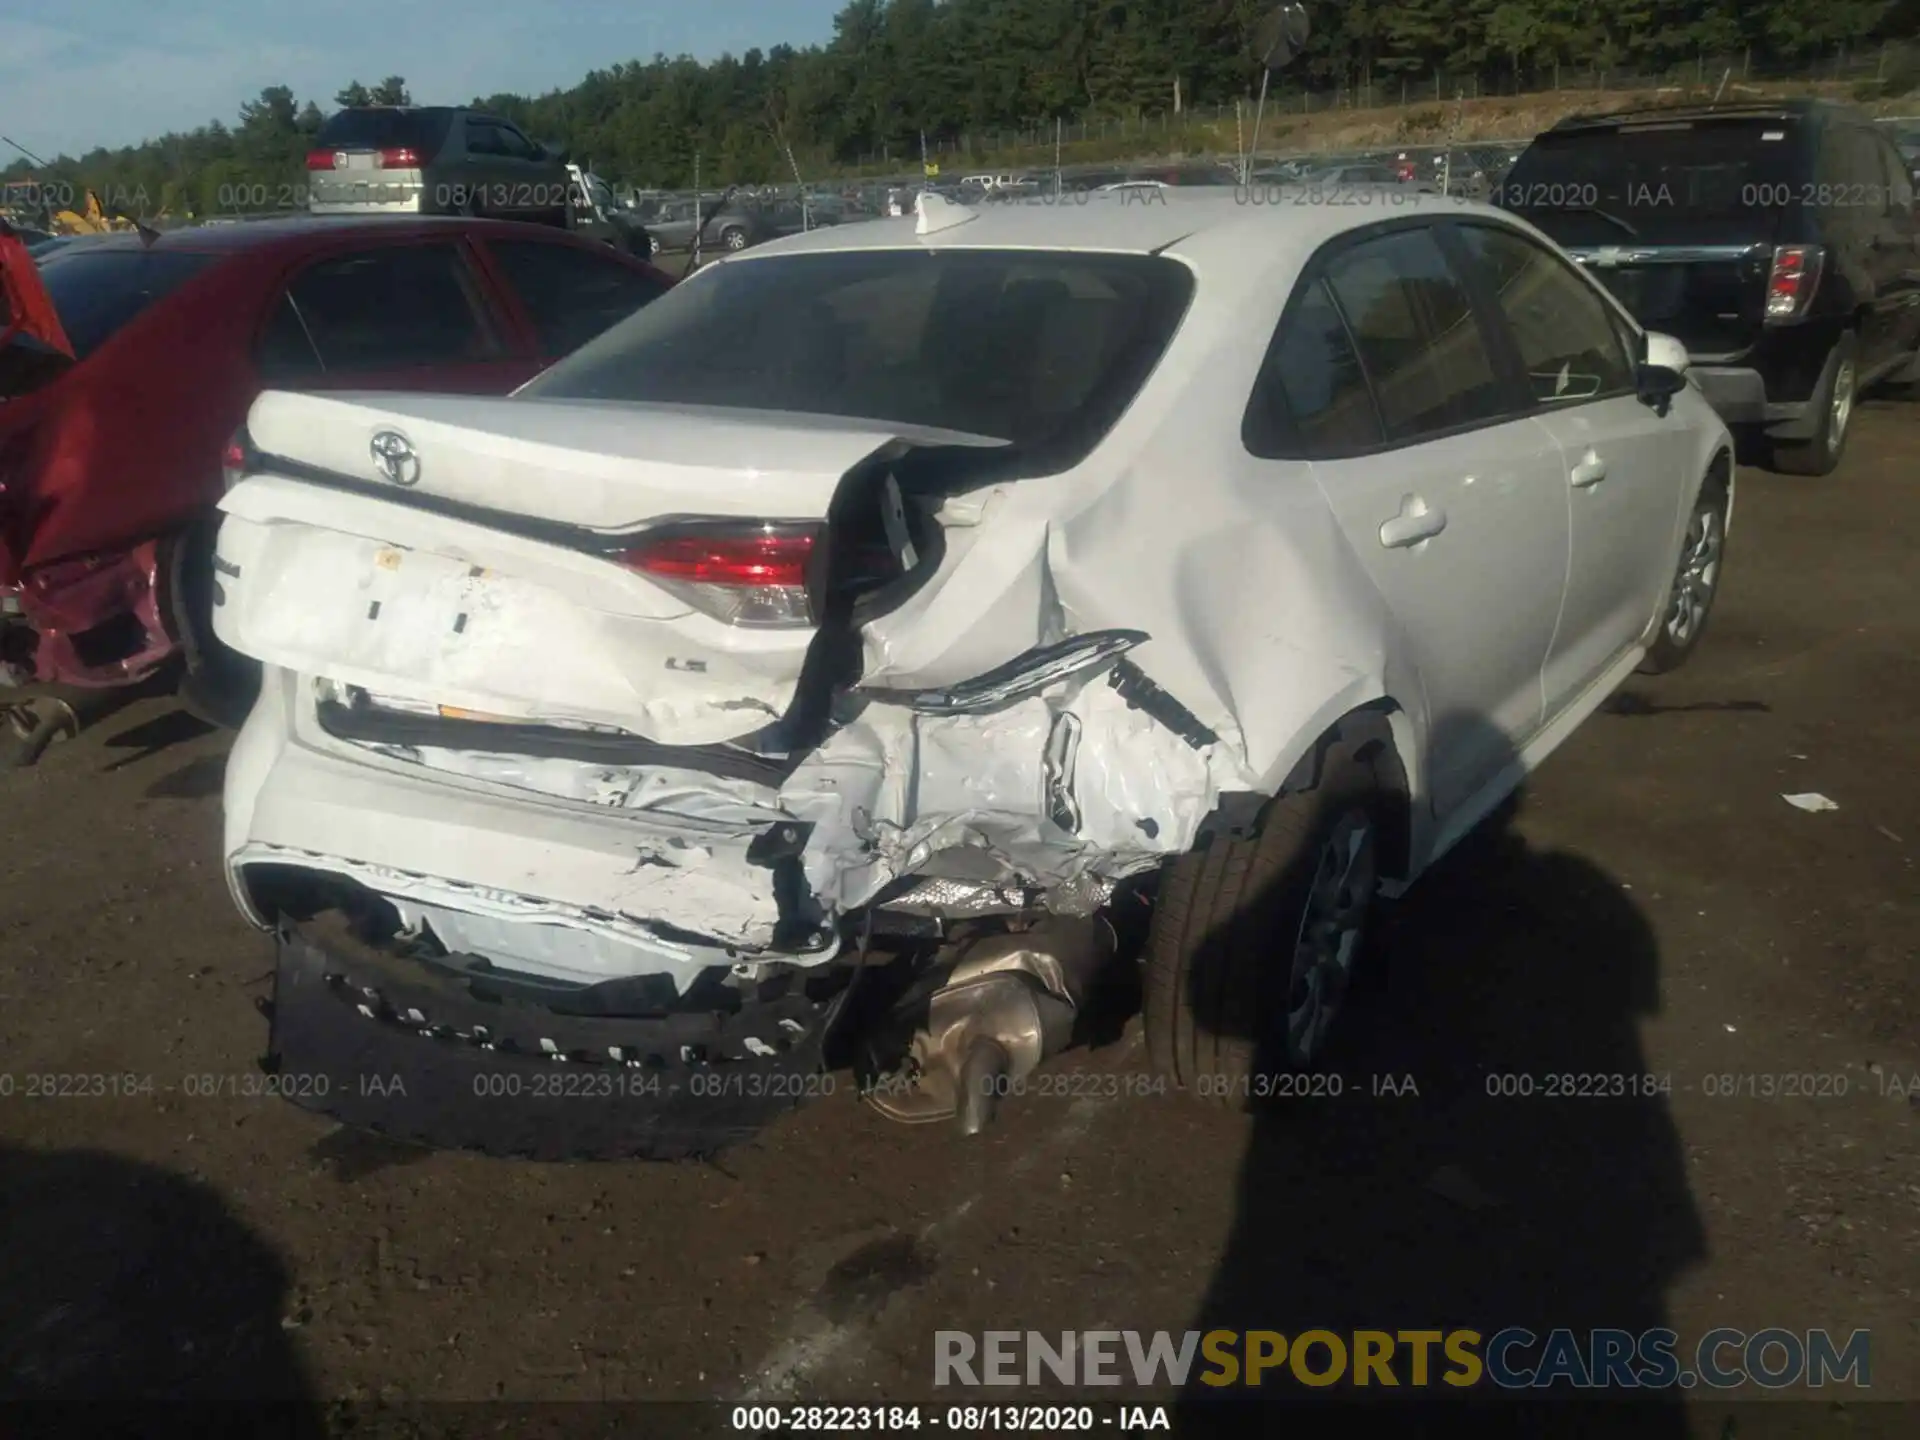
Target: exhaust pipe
(989,1017)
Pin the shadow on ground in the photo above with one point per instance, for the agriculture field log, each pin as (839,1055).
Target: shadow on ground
(128,1295)
(1493,1160)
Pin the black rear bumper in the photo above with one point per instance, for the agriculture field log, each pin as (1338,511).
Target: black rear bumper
(428,1056)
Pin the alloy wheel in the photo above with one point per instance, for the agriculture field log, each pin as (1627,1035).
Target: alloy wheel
(1699,572)
(1345,879)
(1840,410)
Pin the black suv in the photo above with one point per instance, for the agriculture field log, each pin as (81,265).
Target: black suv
(1776,241)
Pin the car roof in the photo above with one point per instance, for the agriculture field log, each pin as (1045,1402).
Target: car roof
(296,231)
(1798,108)
(1196,222)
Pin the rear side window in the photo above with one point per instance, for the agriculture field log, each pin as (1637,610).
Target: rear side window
(1312,397)
(424,130)
(389,308)
(97,292)
(1416,334)
(571,294)
(1568,338)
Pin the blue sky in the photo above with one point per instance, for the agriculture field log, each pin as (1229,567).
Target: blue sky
(114,72)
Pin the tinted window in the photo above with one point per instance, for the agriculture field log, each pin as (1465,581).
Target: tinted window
(97,291)
(1654,181)
(285,351)
(570,294)
(1418,340)
(1044,349)
(1313,398)
(1567,336)
(396,306)
(483,138)
(513,143)
(382,129)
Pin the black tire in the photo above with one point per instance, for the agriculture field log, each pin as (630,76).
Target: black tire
(1821,453)
(1217,995)
(217,684)
(733,238)
(1696,580)
(651,250)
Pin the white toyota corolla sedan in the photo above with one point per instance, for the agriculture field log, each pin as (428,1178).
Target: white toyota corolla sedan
(818,669)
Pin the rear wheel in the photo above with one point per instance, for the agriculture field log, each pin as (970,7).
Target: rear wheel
(1254,939)
(219,684)
(1832,406)
(1696,580)
(734,238)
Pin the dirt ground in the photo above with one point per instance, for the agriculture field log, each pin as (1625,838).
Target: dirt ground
(1654,907)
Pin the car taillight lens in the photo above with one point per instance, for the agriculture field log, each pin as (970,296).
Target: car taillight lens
(320,159)
(753,574)
(403,158)
(1795,276)
(236,460)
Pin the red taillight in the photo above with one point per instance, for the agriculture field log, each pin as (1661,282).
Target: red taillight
(236,459)
(320,159)
(1794,278)
(744,575)
(403,158)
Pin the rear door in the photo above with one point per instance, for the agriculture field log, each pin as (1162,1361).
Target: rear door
(1898,238)
(1874,258)
(396,316)
(1678,218)
(567,293)
(1454,501)
(1623,466)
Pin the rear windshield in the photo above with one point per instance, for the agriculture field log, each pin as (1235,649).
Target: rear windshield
(1038,348)
(1655,181)
(96,292)
(378,129)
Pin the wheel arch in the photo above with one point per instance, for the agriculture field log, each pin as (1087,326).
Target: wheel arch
(1383,734)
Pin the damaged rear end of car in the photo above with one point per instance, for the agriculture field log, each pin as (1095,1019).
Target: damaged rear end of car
(601,788)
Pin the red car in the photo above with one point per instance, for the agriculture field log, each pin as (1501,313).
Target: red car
(128,363)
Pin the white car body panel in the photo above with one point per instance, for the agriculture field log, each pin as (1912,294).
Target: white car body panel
(1272,605)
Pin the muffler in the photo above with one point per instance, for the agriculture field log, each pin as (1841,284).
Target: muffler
(983,1020)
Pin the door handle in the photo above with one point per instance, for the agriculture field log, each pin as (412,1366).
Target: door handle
(1590,471)
(1414,523)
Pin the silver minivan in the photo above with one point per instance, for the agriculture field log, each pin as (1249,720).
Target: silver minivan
(434,160)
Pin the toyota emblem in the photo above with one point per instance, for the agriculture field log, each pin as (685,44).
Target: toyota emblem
(394,457)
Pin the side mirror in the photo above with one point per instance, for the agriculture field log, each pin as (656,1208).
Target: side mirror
(1664,351)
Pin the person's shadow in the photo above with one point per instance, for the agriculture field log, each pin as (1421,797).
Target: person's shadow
(130,1297)
(1457,1189)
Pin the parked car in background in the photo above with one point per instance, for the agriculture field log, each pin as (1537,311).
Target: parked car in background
(730,224)
(905,606)
(112,452)
(1776,240)
(434,160)
(599,216)
(1381,173)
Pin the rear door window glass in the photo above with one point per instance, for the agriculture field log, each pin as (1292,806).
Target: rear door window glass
(571,294)
(392,307)
(1419,340)
(1312,397)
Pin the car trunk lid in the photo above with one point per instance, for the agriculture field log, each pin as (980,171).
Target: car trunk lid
(557,573)
(1712,298)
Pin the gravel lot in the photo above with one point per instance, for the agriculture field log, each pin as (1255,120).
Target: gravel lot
(1653,906)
